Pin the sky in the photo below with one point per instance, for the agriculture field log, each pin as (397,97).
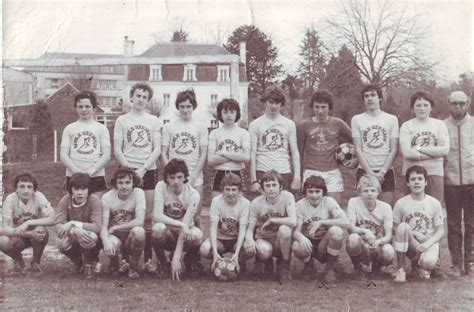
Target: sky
(32,27)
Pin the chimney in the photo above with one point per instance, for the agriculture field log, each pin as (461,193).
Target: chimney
(128,47)
(243,52)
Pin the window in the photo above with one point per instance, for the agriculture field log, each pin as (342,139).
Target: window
(107,69)
(166,99)
(107,100)
(223,73)
(106,85)
(17,123)
(189,72)
(155,73)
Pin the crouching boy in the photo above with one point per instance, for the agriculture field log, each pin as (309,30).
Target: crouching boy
(26,212)
(272,218)
(419,226)
(78,220)
(123,217)
(319,230)
(176,203)
(229,218)
(370,228)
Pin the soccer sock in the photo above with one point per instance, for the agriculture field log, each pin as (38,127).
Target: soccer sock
(331,261)
(92,255)
(356,262)
(38,248)
(74,253)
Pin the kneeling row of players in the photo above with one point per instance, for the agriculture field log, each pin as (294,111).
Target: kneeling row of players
(272,225)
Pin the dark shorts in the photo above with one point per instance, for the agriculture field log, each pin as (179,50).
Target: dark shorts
(149,180)
(98,184)
(321,257)
(228,244)
(220,175)
(122,236)
(287,179)
(388,184)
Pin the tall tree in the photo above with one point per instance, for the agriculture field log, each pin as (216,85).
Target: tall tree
(179,36)
(311,67)
(41,125)
(261,57)
(385,41)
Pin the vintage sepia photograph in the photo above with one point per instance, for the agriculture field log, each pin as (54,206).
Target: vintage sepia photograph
(237,155)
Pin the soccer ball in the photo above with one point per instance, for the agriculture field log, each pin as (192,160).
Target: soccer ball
(345,152)
(225,270)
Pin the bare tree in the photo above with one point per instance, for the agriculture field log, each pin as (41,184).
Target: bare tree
(82,81)
(386,42)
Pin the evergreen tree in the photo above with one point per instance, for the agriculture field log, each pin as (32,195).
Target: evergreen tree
(311,68)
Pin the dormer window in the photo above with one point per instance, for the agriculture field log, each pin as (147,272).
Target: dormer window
(155,73)
(223,73)
(189,72)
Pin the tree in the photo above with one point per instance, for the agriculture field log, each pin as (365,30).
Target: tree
(82,81)
(261,64)
(41,126)
(311,68)
(385,42)
(466,83)
(343,80)
(179,36)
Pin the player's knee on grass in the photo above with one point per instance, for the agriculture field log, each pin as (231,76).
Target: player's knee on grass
(264,249)
(429,258)
(299,251)
(354,244)
(387,254)
(206,249)
(284,232)
(336,234)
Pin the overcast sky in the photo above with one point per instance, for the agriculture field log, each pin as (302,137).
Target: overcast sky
(32,27)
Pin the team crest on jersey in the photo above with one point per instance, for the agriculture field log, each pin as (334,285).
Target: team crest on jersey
(228,145)
(372,226)
(120,216)
(272,139)
(23,217)
(272,227)
(307,225)
(320,140)
(183,143)
(174,210)
(229,226)
(419,222)
(424,138)
(374,136)
(85,142)
(139,136)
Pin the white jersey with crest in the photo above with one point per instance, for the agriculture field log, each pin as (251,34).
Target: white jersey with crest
(15,211)
(176,206)
(122,211)
(137,132)
(233,140)
(376,220)
(229,218)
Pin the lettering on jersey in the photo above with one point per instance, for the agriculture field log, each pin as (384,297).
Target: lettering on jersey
(319,139)
(424,138)
(228,145)
(183,143)
(229,227)
(307,225)
(374,136)
(120,216)
(372,226)
(419,222)
(139,136)
(85,142)
(174,210)
(272,227)
(272,139)
(19,219)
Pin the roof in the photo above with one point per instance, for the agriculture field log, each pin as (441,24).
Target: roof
(57,55)
(171,49)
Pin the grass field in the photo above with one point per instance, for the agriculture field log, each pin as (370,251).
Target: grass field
(59,289)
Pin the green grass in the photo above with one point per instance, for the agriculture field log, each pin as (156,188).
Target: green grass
(59,289)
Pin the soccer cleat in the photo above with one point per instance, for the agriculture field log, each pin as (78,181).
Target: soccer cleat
(197,266)
(19,266)
(35,268)
(124,266)
(97,267)
(329,276)
(339,266)
(150,267)
(415,269)
(163,269)
(400,276)
(88,271)
(133,273)
(455,271)
(437,273)
(424,274)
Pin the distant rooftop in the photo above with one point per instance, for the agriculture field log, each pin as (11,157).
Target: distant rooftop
(183,49)
(57,55)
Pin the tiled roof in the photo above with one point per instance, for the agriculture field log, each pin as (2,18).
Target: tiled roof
(56,55)
(183,49)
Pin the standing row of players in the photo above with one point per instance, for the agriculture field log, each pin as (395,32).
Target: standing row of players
(274,140)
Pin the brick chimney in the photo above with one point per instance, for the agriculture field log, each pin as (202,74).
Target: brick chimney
(243,52)
(128,47)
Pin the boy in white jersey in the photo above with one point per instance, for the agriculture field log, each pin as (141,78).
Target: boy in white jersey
(137,145)
(229,218)
(271,222)
(375,135)
(272,140)
(85,144)
(79,219)
(370,228)
(176,203)
(418,226)
(229,146)
(25,213)
(123,217)
(319,231)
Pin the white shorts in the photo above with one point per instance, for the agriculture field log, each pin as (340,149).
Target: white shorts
(333,179)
